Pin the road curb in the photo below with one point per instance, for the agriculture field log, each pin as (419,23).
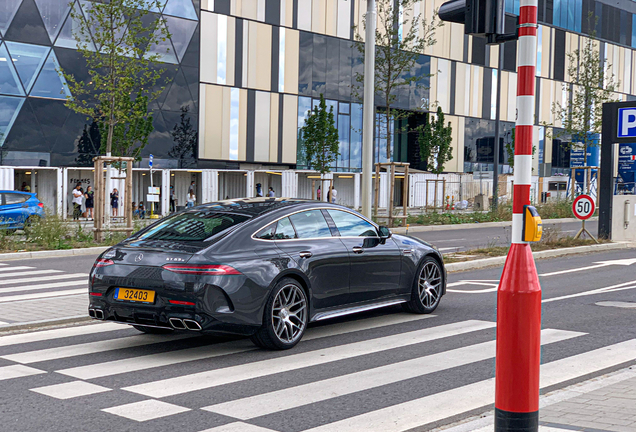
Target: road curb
(52,253)
(33,325)
(499,261)
(425,228)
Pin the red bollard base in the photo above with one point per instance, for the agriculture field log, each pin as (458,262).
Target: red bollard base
(517,422)
(518,343)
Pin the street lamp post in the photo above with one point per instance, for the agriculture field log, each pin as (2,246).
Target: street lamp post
(368,108)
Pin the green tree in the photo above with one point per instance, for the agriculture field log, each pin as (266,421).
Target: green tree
(131,136)
(185,137)
(435,141)
(592,84)
(320,138)
(122,43)
(396,55)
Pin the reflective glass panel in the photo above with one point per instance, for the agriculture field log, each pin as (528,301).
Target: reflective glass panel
(8,8)
(350,225)
(28,60)
(310,224)
(355,147)
(53,13)
(163,49)
(9,109)
(285,230)
(234,123)
(9,81)
(181,32)
(180,8)
(221,49)
(49,83)
(281,60)
(343,136)
(66,38)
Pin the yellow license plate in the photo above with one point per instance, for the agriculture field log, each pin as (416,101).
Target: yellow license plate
(134,295)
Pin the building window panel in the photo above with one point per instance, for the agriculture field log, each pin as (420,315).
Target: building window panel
(221,50)
(539,50)
(50,83)
(9,109)
(493,95)
(355,147)
(319,69)
(305,63)
(281,60)
(304,14)
(344,128)
(234,123)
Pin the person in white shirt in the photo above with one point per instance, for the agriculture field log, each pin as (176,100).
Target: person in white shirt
(191,199)
(271,192)
(77,201)
(334,194)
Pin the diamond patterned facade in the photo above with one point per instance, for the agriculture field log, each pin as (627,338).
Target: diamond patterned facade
(36,41)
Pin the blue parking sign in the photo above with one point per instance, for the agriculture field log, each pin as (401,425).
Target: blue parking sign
(626,123)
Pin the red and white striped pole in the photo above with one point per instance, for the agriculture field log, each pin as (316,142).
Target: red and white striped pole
(519,293)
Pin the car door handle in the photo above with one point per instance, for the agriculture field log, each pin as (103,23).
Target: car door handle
(305,254)
(358,250)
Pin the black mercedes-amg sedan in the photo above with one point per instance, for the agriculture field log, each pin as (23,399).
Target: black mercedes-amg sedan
(261,267)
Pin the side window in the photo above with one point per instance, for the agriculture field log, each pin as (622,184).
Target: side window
(310,224)
(12,198)
(285,230)
(351,225)
(266,233)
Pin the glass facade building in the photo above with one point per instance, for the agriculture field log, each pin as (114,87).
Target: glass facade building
(247,72)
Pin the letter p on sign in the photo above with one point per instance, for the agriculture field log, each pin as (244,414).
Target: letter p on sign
(626,122)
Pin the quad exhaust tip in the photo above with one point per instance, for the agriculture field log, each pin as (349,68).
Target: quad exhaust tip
(96,313)
(184,324)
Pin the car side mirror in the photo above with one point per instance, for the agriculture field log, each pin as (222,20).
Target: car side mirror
(385,232)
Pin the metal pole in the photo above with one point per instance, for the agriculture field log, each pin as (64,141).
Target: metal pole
(368,108)
(519,291)
(495,168)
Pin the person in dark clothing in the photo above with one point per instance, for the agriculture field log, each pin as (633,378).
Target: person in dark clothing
(89,203)
(114,201)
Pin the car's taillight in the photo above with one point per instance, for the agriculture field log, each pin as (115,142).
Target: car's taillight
(202,269)
(40,205)
(96,294)
(181,303)
(101,262)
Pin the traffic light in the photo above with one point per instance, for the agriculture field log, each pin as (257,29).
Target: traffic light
(480,18)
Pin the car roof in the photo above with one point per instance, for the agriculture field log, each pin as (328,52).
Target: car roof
(254,207)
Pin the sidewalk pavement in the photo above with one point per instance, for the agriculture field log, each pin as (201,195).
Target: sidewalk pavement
(602,404)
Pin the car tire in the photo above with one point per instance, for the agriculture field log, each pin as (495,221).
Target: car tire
(285,318)
(152,330)
(427,287)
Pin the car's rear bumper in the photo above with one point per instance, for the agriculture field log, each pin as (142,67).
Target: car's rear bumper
(183,318)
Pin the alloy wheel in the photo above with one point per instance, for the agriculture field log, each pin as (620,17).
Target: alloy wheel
(429,284)
(289,313)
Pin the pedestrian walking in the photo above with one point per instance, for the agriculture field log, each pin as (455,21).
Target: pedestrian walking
(192,188)
(114,201)
(89,196)
(271,192)
(191,199)
(172,200)
(259,190)
(77,201)
(334,195)
(318,193)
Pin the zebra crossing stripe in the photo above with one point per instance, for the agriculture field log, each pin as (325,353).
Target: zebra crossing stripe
(146,410)
(45,278)
(90,348)
(152,361)
(6,290)
(47,335)
(209,379)
(70,390)
(238,427)
(28,273)
(18,371)
(3,269)
(408,415)
(288,398)
(8,299)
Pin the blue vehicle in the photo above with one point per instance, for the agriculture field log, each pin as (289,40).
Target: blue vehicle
(18,209)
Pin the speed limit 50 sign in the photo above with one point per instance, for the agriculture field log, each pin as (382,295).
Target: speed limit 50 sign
(583,207)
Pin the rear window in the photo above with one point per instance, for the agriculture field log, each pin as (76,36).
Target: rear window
(13,198)
(195,226)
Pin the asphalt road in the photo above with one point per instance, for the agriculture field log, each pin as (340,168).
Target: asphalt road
(465,239)
(385,371)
